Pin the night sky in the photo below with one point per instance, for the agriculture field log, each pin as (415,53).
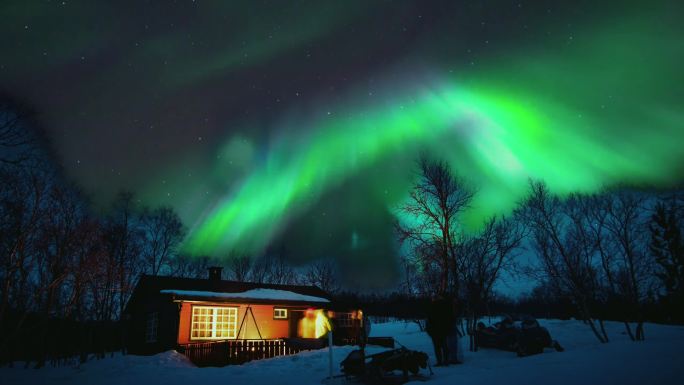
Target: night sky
(295,126)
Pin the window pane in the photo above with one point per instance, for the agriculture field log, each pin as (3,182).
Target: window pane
(213,322)
(151,326)
(279,313)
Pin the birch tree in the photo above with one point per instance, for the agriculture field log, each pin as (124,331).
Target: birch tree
(431,224)
(565,250)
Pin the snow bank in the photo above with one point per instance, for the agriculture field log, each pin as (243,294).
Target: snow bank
(259,294)
(585,361)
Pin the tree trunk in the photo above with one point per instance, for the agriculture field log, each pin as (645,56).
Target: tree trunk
(603,331)
(640,336)
(595,330)
(584,313)
(629,331)
(473,328)
(471,338)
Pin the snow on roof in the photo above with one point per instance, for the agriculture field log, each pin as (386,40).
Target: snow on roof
(260,294)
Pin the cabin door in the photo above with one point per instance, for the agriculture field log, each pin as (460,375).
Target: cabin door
(295,317)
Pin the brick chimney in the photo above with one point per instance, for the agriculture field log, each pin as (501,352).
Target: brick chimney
(215,273)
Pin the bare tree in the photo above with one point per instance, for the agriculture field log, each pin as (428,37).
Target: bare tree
(626,222)
(433,209)
(163,231)
(15,138)
(123,242)
(22,210)
(187,266)
(409,283)
(87,255)
(55,255)
(239,267)
(667,248)
(565,249)
(323,273)
(280,271)
(617,221)
(482,259)
(261,270)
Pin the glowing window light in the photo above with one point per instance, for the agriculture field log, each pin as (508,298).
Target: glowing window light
(322,324)
(279,313)
(314,324)
(213,323)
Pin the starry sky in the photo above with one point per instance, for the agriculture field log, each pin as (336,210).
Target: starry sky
(295,126)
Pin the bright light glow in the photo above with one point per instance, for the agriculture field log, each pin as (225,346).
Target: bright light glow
(322,324)
(314,324)
(213,323)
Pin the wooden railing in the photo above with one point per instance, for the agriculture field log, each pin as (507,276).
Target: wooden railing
(221,353)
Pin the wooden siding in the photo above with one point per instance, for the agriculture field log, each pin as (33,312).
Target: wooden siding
(269,328)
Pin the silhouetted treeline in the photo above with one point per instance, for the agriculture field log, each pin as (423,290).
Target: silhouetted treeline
(539,303)
(397,305)
(67,270)
(58,341)
(614,254)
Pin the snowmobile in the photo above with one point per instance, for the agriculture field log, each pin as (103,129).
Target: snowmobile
(525,337)
(379,368)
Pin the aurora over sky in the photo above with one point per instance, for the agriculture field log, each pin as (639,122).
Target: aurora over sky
(297,128)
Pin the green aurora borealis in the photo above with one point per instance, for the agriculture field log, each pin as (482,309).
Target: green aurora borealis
(601,114)
(296,129)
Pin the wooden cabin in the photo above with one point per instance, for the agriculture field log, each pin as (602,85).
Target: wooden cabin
(229,321)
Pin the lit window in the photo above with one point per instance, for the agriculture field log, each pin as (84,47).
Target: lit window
(279,313)
(213,323)
(344,320)
(151,327)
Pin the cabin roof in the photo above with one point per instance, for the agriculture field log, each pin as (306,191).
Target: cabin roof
(260,294)
(154,285)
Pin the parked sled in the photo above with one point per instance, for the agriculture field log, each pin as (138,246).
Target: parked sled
(381,367)
(525,337)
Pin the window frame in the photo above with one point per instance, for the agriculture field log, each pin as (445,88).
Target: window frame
(152,327)
(214,315)
(285,317)
(344,319)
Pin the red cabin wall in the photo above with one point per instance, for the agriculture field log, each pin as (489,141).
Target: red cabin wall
(270,328)
(184,323)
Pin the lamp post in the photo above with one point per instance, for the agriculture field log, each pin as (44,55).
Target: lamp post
(330,352)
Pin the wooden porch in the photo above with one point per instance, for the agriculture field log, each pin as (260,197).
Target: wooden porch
(231,352)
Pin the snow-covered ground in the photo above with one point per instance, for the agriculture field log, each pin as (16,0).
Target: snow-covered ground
(658,360)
